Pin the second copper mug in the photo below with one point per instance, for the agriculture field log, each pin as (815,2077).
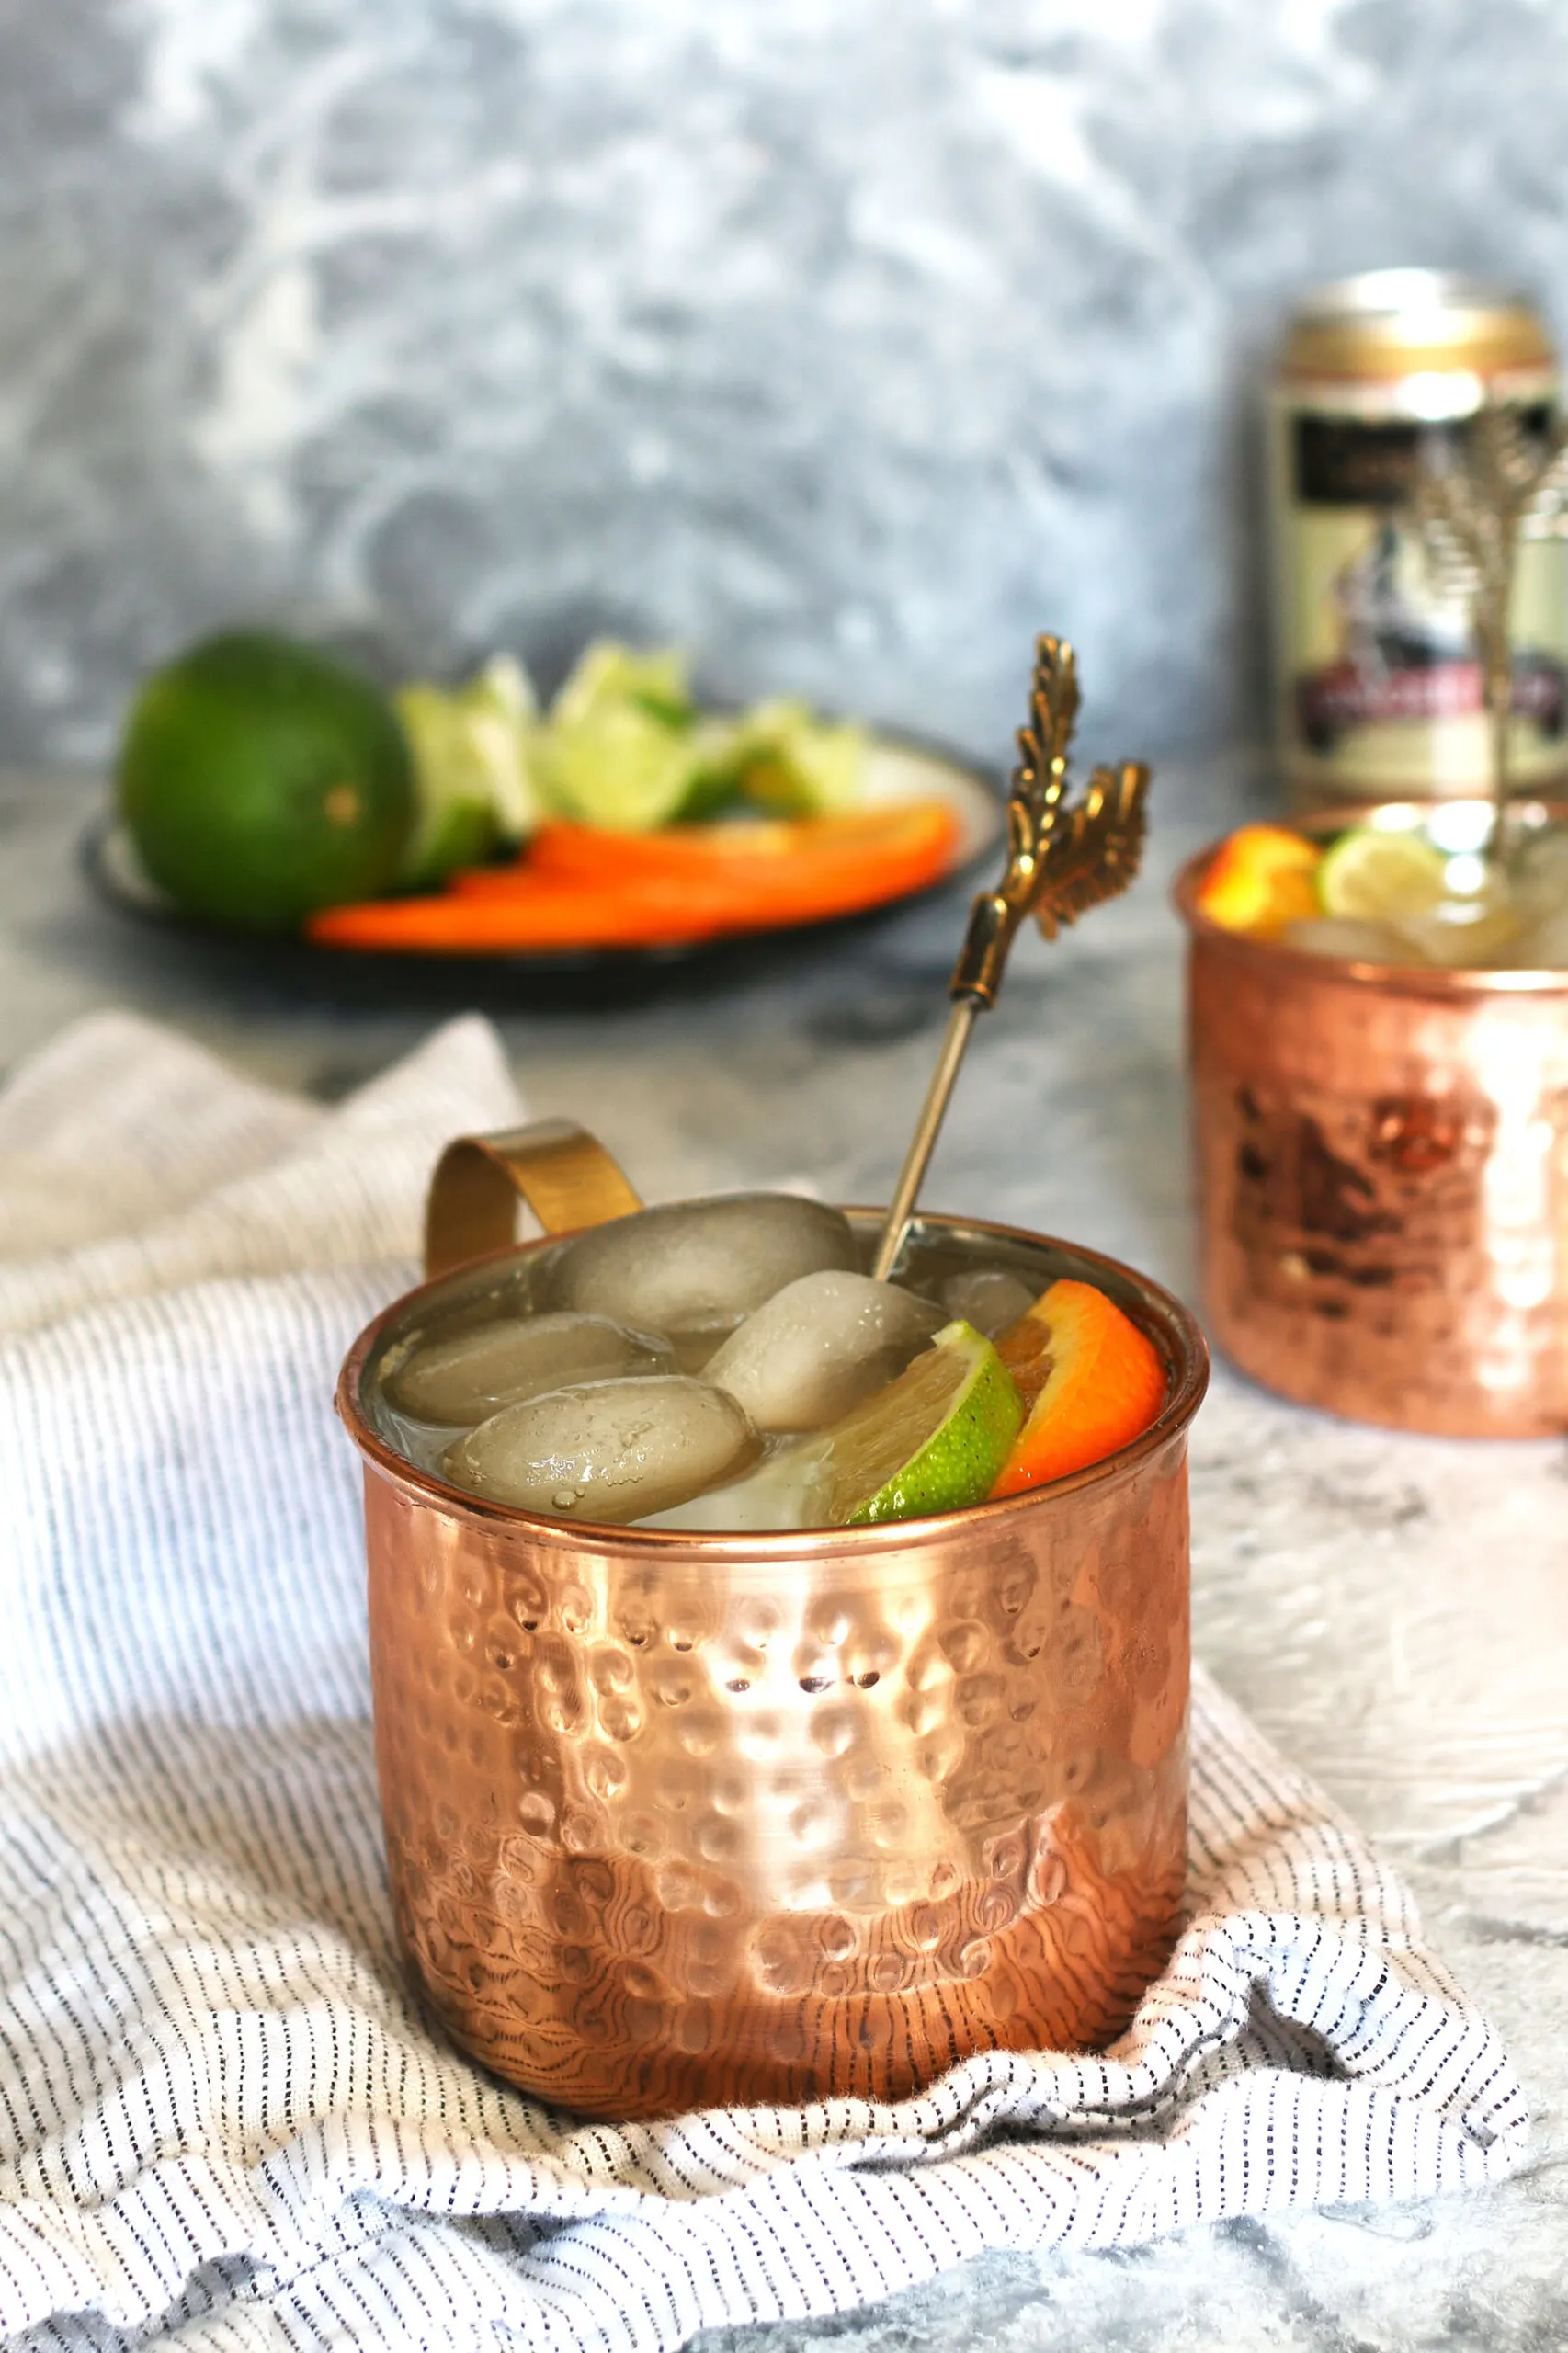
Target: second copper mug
(677,1819)
(1383,1180)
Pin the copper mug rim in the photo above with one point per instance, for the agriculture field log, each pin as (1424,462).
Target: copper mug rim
(1186,1349)
(1432,981)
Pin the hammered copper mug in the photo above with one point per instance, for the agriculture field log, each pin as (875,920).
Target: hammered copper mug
(1383,1180)
(679,1819)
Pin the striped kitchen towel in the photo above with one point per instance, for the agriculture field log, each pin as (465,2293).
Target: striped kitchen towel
(222,2118)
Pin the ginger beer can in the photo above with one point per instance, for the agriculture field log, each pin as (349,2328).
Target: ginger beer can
(1378,685)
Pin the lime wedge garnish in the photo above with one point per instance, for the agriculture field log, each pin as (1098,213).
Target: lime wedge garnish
(933,1440)
(1370,872)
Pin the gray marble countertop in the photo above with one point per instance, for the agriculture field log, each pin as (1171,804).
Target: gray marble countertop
(1393,1610)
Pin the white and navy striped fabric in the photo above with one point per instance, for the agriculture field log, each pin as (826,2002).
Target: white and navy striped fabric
(224,2121)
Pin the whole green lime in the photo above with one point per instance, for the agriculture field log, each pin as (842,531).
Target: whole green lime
(259,780)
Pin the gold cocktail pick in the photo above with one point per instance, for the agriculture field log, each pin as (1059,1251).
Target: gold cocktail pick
(1063,857)
(1469,508)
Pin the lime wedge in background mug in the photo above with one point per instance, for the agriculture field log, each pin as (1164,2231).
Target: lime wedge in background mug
(259,780)
(1381,875)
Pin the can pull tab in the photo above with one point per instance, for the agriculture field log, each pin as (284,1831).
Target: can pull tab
(566,1177)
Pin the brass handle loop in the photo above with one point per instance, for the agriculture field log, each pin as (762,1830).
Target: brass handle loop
(566,1177)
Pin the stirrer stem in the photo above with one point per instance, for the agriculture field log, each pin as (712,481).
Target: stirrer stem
(1063,857)
(1497,673)
(960,1021)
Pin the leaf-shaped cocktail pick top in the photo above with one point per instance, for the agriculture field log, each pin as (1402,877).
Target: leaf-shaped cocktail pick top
(1468,509)
(1062,858)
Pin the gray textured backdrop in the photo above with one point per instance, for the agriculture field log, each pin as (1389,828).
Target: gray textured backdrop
(848,340)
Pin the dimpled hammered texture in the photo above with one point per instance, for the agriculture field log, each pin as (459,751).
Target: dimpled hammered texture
(1383,1173)
(668,1830)
(676,1820)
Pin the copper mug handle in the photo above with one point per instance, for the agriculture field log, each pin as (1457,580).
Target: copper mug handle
(566,1177)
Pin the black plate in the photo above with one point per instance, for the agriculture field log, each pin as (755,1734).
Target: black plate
(901,770)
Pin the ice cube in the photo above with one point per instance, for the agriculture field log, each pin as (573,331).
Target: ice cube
(819,1346)
(697,1267)
(784,1490)
(607,1449)
(989,1298)
(1359,939)
(1540,881)
(1465,934)
(1544,946)
(695,1344)
(465,1378)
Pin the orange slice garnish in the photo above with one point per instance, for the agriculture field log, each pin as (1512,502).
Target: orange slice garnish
(1089,1378)
(1260,880)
